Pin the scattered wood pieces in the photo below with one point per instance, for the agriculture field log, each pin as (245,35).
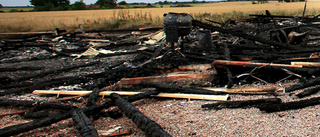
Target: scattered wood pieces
(83,124)
(162,95)
(151,128)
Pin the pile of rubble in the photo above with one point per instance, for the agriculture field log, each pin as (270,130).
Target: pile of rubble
(188,59)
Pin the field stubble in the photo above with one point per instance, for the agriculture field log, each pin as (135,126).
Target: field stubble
(145,17)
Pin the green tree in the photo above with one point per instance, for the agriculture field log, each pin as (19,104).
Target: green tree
(123,3)
(106,3)
(160,3)
(50,4)
(78,5)
(1,6)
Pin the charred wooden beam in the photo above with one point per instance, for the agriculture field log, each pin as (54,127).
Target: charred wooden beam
(32,114)
(178,88)
(13,113)
(39,85)
(306,84)
(38,105)
(6,69)
(150,128)
(20,128)
(308,92)
(83,124)
(96,109)
(235,33)
(93,97)
(290,105)
(56,117)
(242,103)
(64,69)
(228,69)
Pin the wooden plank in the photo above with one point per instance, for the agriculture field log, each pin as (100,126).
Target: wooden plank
(307,64)
(107,93)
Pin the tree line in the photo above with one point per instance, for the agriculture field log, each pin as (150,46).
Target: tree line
(51,5)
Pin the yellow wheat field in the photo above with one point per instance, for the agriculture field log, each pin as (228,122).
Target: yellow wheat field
(42,21)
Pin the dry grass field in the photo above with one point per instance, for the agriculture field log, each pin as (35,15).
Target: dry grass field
(130,18)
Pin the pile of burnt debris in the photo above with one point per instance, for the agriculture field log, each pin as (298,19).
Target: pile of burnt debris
(186,58)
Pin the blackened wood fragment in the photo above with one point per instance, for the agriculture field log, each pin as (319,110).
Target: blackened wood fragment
(64,69)
(179,89)
(56,117)
(38,105)
(290,105)
(150,128)
(42,84)
(20,128)
(83,124)
(228,69)
(306,84)
(96,109)
(6,69)
(308,92)
(32,114)
(242,104)
(221,78)
(93,96)
(13,113)
(229,75)
(235,33)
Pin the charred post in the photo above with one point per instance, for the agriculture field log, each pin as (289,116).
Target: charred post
(20,128)
(38,105)
(308,92)
(83,124)
(148,126)
(290,105)
(93,96)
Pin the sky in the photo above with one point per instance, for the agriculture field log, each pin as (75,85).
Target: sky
(88,2)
